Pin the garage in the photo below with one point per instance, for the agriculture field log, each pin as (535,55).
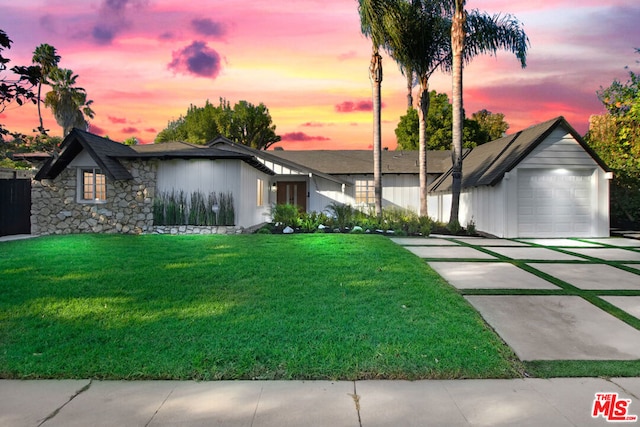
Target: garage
(553,202)
(543,181)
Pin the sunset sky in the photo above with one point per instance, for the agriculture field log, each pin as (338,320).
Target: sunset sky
(143,62)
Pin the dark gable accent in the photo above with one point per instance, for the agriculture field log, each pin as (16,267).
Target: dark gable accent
(102,150)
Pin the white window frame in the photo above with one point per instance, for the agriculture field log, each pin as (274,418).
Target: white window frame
(96,197)
(364,192)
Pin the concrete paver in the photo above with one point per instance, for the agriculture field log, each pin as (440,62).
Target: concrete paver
(566,243)
(630,304)
(608,254)
(533,253)
(553,327)
(591,276)
(495,242)
(489,275)
(616,241)
(635,266)
(421,241)
(452,252)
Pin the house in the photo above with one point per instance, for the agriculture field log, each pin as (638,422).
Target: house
(543,181)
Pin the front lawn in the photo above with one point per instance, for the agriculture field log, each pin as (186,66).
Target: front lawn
(235,307)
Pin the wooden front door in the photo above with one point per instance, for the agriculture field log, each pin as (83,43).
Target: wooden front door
(293,193)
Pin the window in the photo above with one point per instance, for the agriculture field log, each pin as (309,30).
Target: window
(93,185)
(260,199)
(364,191)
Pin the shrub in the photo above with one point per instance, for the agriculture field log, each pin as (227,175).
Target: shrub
(287,215)
(342,214)
(176,208)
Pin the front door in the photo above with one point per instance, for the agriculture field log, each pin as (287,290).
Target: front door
(293,193)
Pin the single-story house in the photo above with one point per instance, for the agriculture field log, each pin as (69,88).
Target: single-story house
(543,181)
(98,185)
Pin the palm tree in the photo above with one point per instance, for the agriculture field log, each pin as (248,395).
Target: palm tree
(473,34)
(372,16)
(47,59)
(417,36)
(68,103)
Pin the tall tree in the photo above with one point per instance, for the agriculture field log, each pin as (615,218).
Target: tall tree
(18,89)
(245,124)
(492,124)
(615,137)
(68,102)
(473,34)
(47,59)
(372,16)
(439,127)
(417,36)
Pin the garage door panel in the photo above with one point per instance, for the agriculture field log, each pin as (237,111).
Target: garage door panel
(553,203)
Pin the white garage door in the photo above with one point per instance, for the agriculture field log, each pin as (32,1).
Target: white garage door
(555,203)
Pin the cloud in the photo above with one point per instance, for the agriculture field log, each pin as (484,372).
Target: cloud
(129,130)
(302,137)
(97,129)
(208,27)
(151,130)
(313,125)
(117,119)
(357,106)
(112,19)
(197,59)
(348,55)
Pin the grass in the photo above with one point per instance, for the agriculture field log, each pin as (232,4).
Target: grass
(235,307)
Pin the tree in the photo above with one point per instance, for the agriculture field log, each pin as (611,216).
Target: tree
(18,89)
(130,141)
(493,125)
(438,127)
(245,124)
(473,34)
(372,16)
(68,103)
(47,60)
(615,137)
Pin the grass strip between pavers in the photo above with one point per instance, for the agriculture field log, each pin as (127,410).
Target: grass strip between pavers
(236,307)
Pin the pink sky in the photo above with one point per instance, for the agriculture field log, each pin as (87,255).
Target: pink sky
(143,62)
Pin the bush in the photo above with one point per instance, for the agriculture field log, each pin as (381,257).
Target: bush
(343,215)
(286,215)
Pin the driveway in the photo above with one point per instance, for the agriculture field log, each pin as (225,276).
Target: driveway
(549,299)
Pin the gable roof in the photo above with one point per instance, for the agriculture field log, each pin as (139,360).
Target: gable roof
(223,143)
(102,150)
(107,153)
(360,162)
(486,164)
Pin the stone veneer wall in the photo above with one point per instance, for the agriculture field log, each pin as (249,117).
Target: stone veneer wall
(128,209)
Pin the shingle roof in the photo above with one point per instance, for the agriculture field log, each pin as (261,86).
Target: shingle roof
(487,163)
(350,162)
(104,151)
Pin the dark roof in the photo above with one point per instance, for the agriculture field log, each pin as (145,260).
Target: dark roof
(351,162)
(486,164)
(226,144)
(104,151)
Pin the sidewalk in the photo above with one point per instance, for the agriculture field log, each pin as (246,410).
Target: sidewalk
(517,402)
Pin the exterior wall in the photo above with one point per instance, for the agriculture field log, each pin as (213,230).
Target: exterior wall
(495,209)
(219,176)
(128,208)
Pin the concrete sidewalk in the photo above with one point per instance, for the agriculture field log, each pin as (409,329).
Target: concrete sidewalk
(517,402)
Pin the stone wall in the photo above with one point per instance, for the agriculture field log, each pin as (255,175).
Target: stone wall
(128,208)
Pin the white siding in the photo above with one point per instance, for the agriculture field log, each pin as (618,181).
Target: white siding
(219,176)
(82,160)
(560,149)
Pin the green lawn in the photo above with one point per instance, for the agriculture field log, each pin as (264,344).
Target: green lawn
(235,307)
